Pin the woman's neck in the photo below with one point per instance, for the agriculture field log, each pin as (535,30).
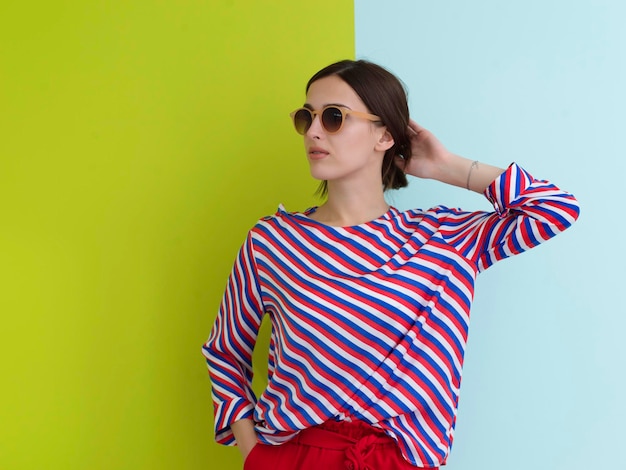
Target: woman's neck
(346,206)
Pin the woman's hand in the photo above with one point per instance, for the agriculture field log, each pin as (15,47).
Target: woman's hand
(428,153)
(431,159)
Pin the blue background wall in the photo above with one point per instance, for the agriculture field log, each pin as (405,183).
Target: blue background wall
(541,83)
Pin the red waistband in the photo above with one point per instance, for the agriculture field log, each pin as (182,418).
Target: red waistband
(340,435)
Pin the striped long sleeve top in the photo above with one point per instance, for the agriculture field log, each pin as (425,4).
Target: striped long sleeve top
(369,322)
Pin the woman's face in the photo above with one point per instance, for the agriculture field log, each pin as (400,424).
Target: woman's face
(357,150)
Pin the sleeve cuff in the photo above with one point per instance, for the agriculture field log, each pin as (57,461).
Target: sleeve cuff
(507,188)
(227,413)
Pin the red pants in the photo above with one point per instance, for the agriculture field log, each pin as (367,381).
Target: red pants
(331,446)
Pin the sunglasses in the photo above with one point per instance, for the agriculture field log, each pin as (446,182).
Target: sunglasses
(331,117)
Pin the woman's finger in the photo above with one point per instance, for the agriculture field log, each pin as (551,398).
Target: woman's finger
(414,126)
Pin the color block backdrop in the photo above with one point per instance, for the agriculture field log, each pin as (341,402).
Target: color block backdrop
(140,140)
(138,143)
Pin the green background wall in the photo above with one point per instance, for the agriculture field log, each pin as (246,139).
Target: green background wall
(138,143)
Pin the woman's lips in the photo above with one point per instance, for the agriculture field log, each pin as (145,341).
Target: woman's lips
(316,153)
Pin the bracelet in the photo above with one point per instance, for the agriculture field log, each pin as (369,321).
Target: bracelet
(469,173)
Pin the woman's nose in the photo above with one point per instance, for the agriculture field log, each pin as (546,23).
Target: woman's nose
(316,129)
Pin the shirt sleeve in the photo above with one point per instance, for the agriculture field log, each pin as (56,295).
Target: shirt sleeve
(527,212)
(228,350)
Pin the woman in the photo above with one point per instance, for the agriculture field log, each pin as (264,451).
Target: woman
(369,305)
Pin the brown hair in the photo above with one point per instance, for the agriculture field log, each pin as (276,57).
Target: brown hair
(384,95)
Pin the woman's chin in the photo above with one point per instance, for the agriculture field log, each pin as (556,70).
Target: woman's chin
(320,175)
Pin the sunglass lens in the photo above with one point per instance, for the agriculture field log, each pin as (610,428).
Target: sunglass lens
(302,121)
(332,118)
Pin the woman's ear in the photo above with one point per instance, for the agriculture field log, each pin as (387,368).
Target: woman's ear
(385,142)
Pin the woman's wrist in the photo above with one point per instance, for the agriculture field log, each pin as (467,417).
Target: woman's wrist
(466,173)
(245,435)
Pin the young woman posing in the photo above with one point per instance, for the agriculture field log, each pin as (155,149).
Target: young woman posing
(369,305)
